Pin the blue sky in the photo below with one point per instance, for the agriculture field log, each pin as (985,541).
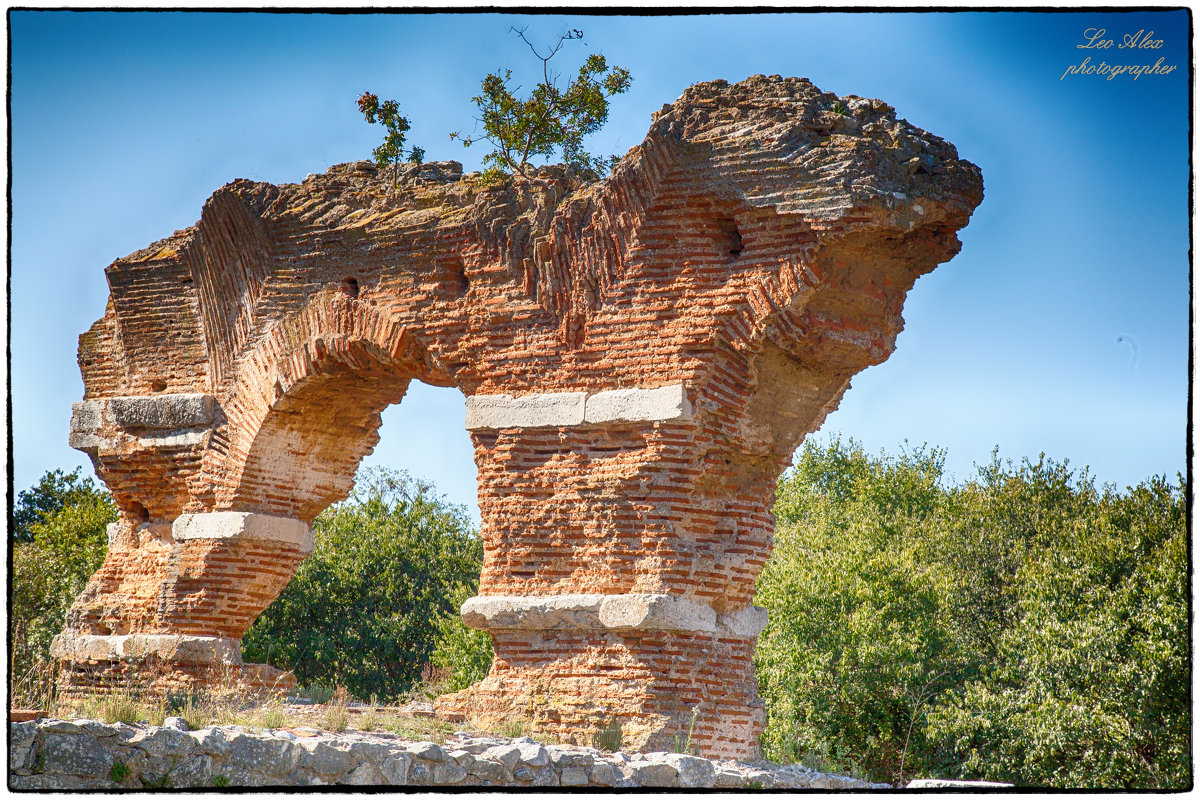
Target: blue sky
(124,123)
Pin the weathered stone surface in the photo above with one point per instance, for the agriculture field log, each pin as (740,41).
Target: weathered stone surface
(87,416)
(571,758)
(638,405)
(272,757)
(529,411)
(395,769)
(603,774)
(170,412)
(365,775)
(534,755)
(564,612)
(211,741)
(166,742)
(323,757)
(507,755)
(195,771)
(573,776)
(81,755)
(941,783)
(747,622)
(154,756)
(727,778)
(640,356)
(448,772)
(694,773)
(428,751)
(234,524)
(21,736)
(186,649)
(655,773)
(659,612)
(486,769)
(374,752)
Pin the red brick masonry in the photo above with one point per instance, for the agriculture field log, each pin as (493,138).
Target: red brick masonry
(641,357)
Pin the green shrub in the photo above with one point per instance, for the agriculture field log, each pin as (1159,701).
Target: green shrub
(463,655)
(63,541)
(119,772)
(365,609)
(1022,627)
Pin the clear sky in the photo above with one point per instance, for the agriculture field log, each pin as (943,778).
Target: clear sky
(1061,327)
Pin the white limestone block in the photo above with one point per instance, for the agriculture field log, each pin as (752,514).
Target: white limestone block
(533,613)
(658,612)
(164,411)
(638,405)
(554,409)
(87,416)
(589,612)
(135,646)
(234,524)
(746,623)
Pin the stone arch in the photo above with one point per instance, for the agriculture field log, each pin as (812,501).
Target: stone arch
(640,357)
(305,408)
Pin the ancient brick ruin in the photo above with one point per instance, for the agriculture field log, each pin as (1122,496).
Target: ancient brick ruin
(640,357)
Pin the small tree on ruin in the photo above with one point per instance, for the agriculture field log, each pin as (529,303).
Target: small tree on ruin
(550,118)
(387,114)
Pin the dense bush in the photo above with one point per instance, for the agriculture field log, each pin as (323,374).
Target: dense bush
(52,493)
(60,538)
(462,656)
(1023,627)
(365,610)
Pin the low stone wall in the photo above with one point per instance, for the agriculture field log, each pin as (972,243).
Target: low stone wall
(52,754)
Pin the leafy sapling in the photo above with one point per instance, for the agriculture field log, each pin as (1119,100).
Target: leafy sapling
(550,118)
(387,114)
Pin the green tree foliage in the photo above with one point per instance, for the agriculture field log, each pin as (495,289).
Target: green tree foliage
(364,611)
(55,491)
(63,544)
(1023,627)
(462,655)
(387,114)
(550,118)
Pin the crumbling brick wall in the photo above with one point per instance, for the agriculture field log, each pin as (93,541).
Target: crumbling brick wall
(640,357)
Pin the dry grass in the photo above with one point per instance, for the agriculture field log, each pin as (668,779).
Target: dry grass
(221,704)
(36,688)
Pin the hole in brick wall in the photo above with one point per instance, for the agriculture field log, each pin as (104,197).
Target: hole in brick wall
(458,276)
(139,512)
(158,386)
(423,434)
(731,237)
(350,287)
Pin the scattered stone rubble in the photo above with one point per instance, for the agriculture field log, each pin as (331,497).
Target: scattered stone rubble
(54,754)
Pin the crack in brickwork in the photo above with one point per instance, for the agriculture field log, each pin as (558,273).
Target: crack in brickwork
(743,262)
